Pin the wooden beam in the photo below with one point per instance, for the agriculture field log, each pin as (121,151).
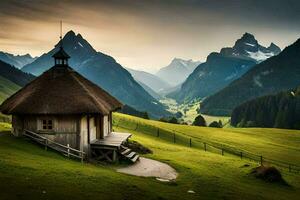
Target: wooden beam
(101,127)
(88,128)
(110,120)
(88,135)
(97,120)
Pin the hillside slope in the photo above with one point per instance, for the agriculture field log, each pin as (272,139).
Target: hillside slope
(14,75)
(103,70)
(7,88)
(272,143)
(279,73)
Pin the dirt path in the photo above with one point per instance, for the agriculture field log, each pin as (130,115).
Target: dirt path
(150,168)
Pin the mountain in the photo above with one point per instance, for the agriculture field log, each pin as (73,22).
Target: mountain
(76,46)
(211,76)
(177,71)
(17,61)
(150,80)
(220,69)
(11,80)
(150,91)
(273,111)
(103,70)
(247,47)
(278,73)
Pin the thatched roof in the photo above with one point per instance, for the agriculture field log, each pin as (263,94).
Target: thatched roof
(60,90)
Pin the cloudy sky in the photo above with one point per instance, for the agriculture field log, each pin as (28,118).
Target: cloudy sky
(147,34)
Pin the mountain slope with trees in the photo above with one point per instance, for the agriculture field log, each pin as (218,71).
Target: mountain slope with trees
(11,80)
(7,88)
(14,75)
(273,111)
(279,73)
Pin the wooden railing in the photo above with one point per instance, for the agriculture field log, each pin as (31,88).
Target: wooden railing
(66,150)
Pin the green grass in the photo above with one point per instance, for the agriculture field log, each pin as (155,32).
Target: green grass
(7,88)
(279,144)
(27,171)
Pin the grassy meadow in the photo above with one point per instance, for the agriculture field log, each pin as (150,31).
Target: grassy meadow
(279,144)
(28,171)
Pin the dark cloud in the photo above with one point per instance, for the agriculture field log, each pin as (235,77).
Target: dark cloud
(282,10)
(196,26)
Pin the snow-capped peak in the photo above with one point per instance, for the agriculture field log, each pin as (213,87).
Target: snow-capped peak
(260,56)
(252,45)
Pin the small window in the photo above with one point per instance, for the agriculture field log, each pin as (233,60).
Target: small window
(47,124)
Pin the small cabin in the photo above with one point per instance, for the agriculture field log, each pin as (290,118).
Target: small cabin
(66,108)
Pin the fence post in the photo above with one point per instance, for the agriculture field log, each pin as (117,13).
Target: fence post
(81,156)
(190,142)
(204,146)
(261,160)
(157,132)
(241,155)
(68,150)
(137,124)
(46,144)
(174,138)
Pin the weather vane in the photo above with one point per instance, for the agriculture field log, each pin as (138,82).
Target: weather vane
(60,33)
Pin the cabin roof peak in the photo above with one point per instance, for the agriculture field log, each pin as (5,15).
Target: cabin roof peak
(61,57)
(61,54)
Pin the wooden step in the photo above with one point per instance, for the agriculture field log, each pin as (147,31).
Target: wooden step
(125,151)
(123,147)
(135,158)
(131,155)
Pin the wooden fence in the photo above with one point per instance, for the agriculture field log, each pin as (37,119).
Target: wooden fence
(200,143)
(66,150)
